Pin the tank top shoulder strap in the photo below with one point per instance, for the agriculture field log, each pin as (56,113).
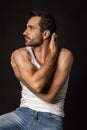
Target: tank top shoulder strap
(33,59)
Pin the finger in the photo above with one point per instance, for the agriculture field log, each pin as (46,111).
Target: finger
(54,37)
(53,40)
(11,56)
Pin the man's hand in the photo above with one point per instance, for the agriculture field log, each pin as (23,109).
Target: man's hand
(53,44)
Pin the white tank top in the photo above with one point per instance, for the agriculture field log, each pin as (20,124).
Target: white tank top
(30,100)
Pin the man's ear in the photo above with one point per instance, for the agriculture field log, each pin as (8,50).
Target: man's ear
(46,34)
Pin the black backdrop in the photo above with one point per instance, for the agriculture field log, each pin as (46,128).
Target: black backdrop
(71,21)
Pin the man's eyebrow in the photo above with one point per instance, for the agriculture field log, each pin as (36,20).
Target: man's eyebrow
(29,25)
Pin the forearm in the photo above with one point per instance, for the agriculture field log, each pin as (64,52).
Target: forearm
(44,96)
(61,77)
(42,75)
(36,79)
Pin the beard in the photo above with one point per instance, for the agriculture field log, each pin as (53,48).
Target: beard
(33,42)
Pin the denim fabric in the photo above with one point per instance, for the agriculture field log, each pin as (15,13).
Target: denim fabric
(27,119)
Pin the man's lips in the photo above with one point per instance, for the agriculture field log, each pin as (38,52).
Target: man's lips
(27,38)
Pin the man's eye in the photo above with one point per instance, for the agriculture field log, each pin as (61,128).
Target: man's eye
(31,27)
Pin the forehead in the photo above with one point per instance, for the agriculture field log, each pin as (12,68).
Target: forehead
(34,20)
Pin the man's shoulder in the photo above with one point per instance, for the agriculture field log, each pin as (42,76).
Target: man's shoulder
(65,51)
(20,49)
(65,59)
(65,54)
(28,49)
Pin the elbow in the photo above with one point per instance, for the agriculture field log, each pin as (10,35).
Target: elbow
(37,87)
(48,99)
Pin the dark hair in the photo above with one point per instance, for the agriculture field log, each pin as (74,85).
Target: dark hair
(47,21)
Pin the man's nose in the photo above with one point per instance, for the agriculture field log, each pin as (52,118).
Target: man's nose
(24,33)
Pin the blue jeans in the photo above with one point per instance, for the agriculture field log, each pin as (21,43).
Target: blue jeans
(27,119)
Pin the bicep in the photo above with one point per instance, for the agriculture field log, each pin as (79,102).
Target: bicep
(22,59)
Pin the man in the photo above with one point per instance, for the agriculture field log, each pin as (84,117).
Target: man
(43,71)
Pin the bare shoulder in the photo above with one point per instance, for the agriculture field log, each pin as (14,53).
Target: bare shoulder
(21,52)
(65,58)
(65,53)
(22,49)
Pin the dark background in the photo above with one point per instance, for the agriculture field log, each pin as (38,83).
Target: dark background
(71,21)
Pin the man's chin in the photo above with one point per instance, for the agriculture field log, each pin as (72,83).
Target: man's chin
(27,44)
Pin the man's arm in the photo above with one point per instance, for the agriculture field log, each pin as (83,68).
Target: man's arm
(25,71)
(62,72)
(64,65)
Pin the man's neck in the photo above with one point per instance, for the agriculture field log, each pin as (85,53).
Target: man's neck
(41,52)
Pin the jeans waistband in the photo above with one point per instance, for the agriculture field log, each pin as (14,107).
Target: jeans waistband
(40,113)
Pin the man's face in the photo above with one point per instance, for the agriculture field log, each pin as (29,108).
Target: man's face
(33,35)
